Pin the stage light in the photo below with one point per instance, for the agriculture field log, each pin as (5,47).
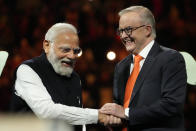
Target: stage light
(111,55)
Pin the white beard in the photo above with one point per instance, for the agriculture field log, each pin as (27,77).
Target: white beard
(56,64)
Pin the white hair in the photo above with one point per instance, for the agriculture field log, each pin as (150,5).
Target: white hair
(57,29)
(145,15)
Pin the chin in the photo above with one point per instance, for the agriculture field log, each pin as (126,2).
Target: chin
(130,49)
(62,70)
(65,71)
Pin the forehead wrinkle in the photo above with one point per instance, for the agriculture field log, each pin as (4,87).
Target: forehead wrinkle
(129,19)
(69,36)
(66,46)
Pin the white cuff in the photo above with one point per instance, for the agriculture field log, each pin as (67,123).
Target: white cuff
(127,113)
(93,115)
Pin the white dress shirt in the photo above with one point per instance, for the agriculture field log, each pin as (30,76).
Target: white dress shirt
(144,54)
(30,88)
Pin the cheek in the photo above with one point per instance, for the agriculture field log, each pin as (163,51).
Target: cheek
(58,54)
(61,55)
(137,38)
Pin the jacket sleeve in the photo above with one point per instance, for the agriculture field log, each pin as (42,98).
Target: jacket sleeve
(31,89)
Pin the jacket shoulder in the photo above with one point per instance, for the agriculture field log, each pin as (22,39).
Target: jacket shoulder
(169,53)
(126,60)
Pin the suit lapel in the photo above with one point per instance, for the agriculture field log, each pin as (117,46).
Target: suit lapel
(145,69)
(125,70)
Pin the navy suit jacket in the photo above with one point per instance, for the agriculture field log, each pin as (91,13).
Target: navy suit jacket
(157,100)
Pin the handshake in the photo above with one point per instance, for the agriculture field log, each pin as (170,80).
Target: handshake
(111,114)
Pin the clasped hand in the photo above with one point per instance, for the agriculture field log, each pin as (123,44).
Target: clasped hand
(111,114)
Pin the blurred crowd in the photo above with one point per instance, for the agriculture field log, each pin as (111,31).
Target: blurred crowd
(23,25)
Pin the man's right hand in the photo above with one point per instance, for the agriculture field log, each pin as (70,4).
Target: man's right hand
(108,119)
(113,109)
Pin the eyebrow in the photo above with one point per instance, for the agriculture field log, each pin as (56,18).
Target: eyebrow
(126,27)
(64,46)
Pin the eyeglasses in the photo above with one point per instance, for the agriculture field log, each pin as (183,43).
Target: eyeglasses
(128,30)
(76,51)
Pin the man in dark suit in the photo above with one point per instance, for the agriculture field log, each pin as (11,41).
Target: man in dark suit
(149,92)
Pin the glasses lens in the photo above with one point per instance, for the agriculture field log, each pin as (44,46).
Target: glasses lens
(128,30)
(76,50)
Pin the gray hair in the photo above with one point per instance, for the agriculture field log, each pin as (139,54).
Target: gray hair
(57,29)
(145,15)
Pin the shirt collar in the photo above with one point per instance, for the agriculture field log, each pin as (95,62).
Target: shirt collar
(146,50)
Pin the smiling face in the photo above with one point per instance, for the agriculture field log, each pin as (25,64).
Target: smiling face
(60,53)
(139,37)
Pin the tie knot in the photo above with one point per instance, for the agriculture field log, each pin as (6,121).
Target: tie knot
(137,58)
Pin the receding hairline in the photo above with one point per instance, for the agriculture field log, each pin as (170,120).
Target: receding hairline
(59,28)
(65,26)
(137,9)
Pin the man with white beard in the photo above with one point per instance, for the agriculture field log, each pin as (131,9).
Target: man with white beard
(48,85)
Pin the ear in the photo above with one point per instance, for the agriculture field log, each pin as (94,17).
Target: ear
(46,46)
(148,31)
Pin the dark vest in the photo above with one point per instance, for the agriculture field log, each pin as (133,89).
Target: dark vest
(62,89)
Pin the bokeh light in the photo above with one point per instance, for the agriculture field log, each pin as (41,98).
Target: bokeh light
(111,55)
